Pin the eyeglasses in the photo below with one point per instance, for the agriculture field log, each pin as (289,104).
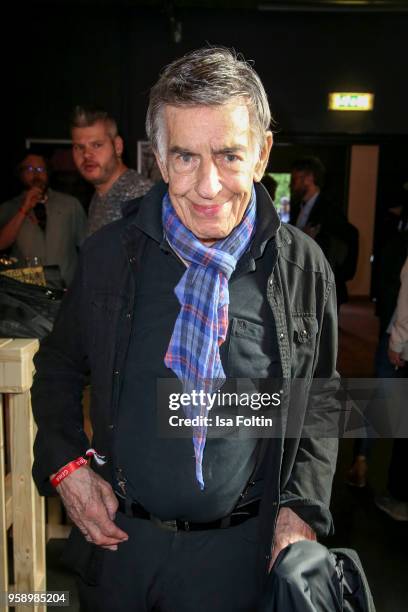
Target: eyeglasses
(36,169)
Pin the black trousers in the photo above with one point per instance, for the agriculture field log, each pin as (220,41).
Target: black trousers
(158,570)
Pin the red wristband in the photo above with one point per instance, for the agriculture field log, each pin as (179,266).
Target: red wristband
(67,470)
(23,212)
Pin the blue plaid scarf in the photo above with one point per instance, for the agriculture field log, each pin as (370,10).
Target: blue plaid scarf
(201,326)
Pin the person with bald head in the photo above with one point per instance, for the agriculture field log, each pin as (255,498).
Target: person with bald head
(41,222)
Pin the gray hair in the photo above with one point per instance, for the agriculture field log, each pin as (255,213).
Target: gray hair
(87,117)
(209,77)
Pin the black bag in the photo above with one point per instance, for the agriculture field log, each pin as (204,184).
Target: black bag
(308,577)
(27,311)
(355,588)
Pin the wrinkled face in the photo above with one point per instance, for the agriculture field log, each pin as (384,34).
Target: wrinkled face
(211,163)
(299,183)
(96,154)
(33,171)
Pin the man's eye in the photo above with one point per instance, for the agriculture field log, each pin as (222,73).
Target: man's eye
(229,158)
(185,157)
(97,145)
(185,162)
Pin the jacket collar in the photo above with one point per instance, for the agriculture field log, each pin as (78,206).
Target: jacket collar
(267,219)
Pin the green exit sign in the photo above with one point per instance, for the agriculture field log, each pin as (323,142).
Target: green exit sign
(351,101)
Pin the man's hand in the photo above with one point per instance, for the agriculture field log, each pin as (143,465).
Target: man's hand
(32,196)
(91,504)
(289,529)
(396,359)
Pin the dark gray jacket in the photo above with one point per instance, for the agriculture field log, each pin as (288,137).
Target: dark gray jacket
(92,331)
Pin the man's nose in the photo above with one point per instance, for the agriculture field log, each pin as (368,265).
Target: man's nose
(87,152)
(208,181)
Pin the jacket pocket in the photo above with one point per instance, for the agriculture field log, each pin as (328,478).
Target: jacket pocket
(252,350)
(305,329)
(105,308)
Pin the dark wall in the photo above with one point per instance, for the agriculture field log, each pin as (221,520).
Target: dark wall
(54,58)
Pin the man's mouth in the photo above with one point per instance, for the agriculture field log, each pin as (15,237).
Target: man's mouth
(207,211)
(89,167)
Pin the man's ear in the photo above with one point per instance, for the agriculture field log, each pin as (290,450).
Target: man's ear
(262,161)
(162,167)
(118,145)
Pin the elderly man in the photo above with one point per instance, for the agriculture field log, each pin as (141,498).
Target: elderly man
(198,282)
(41,222)
(97,152)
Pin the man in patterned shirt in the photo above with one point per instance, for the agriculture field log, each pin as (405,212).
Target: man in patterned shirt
(97,152)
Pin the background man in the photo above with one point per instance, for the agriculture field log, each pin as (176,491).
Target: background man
(41,222)
(97,151)
(318,217)
(201,254)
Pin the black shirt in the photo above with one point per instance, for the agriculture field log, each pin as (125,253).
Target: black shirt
(160,472)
